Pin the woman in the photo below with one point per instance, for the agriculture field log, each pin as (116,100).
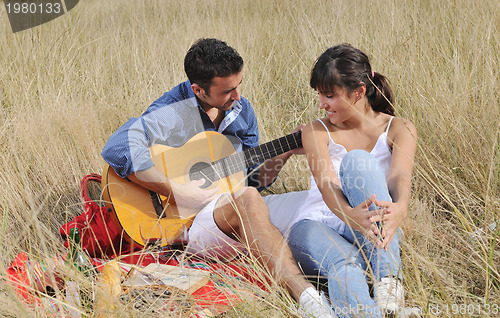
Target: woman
(361,159)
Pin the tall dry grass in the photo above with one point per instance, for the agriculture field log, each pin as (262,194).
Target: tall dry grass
(67,85)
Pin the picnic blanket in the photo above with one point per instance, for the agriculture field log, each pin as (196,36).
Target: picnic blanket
(102,242)
(211,299)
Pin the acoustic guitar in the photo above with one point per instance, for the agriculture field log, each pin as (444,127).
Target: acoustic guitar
(208,155)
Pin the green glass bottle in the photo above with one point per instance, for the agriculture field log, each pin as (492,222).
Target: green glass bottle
(80,261)
(76,256)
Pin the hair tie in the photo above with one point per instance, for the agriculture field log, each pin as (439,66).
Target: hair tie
(373,74)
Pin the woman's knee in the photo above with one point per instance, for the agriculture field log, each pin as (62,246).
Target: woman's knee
(358,160)
(361,176)
(359,154)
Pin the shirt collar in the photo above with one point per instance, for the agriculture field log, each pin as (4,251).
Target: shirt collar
(236,106)
(190,94)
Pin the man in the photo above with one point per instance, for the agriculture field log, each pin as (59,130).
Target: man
(210,100)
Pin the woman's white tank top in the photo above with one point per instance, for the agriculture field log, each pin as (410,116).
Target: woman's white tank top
(314,207)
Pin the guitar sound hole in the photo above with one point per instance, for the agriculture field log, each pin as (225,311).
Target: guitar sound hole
(202,170)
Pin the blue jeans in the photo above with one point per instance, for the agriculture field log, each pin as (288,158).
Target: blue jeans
(343,258)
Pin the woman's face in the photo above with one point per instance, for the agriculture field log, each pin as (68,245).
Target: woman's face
(338,104)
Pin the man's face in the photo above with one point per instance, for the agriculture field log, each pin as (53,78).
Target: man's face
(221,94)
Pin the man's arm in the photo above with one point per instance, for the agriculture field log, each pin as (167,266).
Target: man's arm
(188,195)
(127,149)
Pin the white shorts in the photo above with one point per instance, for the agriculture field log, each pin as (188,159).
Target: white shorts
(207,240)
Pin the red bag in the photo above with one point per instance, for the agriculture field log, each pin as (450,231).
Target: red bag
(98,235)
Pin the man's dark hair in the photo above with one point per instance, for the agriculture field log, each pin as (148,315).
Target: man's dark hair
(209,58)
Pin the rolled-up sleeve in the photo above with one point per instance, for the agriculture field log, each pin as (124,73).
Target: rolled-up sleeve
(170,124)
(127,149)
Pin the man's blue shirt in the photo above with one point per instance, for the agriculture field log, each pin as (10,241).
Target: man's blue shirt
(172,120)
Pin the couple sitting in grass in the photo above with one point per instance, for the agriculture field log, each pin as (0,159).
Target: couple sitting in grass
(345,228)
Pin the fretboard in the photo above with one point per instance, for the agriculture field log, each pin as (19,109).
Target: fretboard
(240,161)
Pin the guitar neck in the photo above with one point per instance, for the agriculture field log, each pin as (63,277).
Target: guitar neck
(251,157)
(272,149)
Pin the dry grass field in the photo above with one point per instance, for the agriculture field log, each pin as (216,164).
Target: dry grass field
(65,86)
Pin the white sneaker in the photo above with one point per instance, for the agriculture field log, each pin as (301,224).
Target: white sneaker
(314,304)
(389,295)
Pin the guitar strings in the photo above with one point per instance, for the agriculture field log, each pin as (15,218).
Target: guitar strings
(239,161)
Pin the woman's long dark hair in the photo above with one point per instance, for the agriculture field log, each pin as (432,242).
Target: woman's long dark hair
(345,66)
